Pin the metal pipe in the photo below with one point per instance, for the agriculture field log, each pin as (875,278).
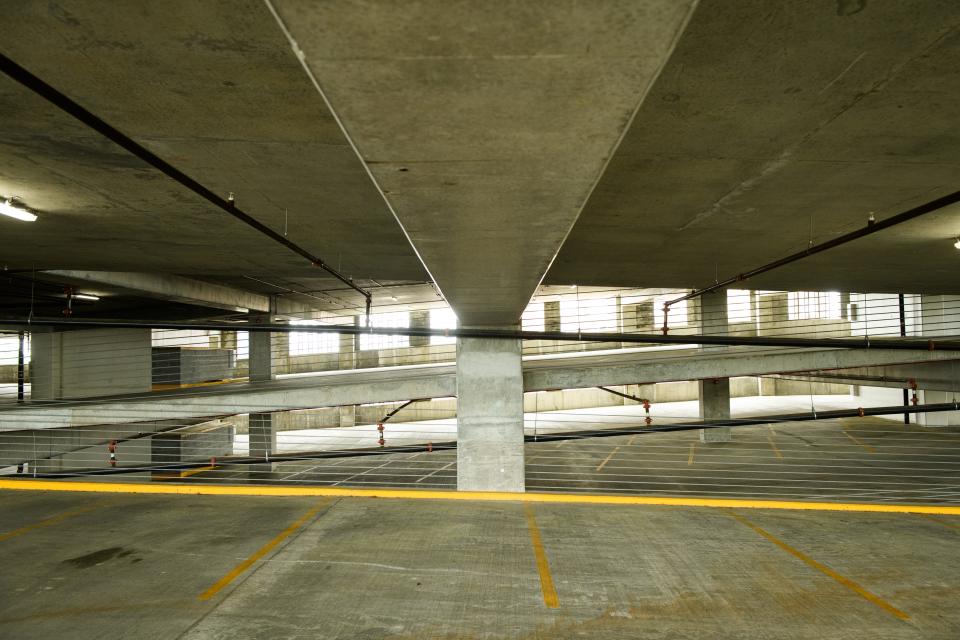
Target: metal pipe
(635,338)
(622,395)
(397,410)
(58,99)
(871,228)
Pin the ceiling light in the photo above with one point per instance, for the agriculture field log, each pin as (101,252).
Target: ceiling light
(573,286)
(7,209)
(86,296)
(956,244)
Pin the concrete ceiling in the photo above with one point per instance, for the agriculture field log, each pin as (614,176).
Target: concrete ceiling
(489,138)
(212,87)
(775,123)
(486,123)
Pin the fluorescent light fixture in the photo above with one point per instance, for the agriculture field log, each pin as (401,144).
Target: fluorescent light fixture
(7,209)
(956,245)
(86,296)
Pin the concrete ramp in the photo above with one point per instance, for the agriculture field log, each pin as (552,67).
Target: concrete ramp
(564,371)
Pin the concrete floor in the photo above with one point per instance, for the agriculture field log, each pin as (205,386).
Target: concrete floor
(850,459)
(124,566)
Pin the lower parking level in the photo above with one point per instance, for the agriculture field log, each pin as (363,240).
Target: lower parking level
(89,565)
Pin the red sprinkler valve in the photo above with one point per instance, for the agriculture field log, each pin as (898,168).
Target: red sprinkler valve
(429,447)
(112,448)
(860,411)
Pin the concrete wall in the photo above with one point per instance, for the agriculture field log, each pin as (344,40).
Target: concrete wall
(197,444)
(89,363)
(188,365)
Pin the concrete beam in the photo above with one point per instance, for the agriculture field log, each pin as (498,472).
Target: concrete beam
(666,365)
(505,143)
(172,288)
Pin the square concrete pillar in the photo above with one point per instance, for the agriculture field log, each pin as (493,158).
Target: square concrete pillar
(489,415)
(347,357)
(419,320)
(261,351)
(939,316)
(715,405)
(714,393)
(551,315)
(262,431)
(348,415)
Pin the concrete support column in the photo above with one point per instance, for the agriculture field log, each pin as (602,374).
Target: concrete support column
(261,351)
(348,351)
(551,316)
(262,431)
(778,306)
(939,316)
(228,340)
(281,353)
(489,415)
(348,415)
(715,392)
(714,405)
(419,320)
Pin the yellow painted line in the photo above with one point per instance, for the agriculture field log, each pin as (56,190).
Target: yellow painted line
(550,597)
(774,447)
(261,552)
(632,438)
(865,446)
(46,522)
(191,472)
(191,385)
(607,459)
(475,496)
(176,475)
(847,582)
(693,447)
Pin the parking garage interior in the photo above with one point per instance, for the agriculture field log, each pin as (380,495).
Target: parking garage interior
(450,319)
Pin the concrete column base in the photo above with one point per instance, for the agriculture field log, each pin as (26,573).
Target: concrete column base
(489,415)
(715,405)
(718,434)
